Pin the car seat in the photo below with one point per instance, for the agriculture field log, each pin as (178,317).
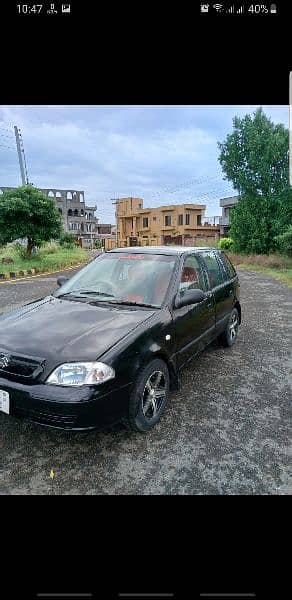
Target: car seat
(189,275)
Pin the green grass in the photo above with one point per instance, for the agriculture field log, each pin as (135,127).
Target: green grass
(275,265)
(50,257)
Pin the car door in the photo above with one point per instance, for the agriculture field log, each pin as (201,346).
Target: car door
(195,323)
(221,287)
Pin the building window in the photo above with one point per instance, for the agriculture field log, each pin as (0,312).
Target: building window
(180,219)
(145,222)
(140,205)
(187,219)
(154,218)
(199,219)
(167,220)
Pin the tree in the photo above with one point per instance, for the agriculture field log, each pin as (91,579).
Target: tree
(26,212)
(284,241)
(255,158)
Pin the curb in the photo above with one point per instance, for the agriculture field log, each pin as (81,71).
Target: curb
(30,273)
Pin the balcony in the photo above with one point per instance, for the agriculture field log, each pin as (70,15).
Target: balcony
(224,221)
(231,201)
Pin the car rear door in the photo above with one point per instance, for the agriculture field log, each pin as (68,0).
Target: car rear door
(221,286)
(194,324)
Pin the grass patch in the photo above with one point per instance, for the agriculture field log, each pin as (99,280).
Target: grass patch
(51,257)
(277,266)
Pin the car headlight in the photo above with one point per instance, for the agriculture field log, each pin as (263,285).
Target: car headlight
(81,373)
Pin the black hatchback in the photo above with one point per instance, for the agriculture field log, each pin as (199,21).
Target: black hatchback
(109,344)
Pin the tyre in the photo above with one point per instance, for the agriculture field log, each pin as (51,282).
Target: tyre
(229,335)
(149,397)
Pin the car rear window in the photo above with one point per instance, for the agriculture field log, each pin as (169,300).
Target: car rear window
(228,265)
(213,269)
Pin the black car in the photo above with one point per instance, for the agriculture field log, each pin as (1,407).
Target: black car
(109,344)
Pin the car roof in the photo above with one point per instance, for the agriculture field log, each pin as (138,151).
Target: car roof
(169,250)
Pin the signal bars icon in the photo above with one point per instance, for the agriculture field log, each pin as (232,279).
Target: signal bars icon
(239,10)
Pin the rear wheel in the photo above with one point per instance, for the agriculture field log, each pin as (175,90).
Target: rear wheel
(229,335)
(149,396)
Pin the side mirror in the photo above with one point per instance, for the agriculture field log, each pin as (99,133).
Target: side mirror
(189,297)
(61,280)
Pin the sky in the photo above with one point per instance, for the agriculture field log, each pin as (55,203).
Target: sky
(163,154)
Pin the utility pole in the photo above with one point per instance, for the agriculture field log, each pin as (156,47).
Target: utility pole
(21,156)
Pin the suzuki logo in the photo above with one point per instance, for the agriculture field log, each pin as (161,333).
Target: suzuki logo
(4,361)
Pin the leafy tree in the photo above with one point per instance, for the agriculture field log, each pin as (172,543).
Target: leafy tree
(26,212)
(255,158)
(284,241)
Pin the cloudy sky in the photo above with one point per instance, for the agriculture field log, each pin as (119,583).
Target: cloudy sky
(164,155)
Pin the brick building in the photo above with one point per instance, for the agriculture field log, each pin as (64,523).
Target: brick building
(176,223)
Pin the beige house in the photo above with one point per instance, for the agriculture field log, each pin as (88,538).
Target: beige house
(176,223)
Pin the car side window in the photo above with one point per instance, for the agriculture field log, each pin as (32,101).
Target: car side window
(192,275)
(213,269)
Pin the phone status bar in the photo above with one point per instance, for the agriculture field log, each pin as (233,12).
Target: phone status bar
(236,9)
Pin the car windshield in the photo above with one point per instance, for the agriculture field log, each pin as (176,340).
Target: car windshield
(140,279)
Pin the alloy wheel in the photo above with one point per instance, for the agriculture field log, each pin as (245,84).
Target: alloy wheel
(154,395)
(233,327)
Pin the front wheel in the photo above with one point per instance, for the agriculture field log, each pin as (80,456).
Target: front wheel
(229,335)
(149,396)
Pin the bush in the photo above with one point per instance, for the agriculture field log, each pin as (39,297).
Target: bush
(20,250)
(226,244)
(269,261)
(49,248)
(284,241)
(67,240)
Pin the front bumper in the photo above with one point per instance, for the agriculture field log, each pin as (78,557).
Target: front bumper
(87,407)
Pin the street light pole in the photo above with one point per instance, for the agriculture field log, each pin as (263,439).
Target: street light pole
(21,156)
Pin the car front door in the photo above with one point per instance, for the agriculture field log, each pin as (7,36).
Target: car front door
(194,324)
(221,287)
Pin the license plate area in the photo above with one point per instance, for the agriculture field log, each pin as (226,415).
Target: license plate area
(4,402)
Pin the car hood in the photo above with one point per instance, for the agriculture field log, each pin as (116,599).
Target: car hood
(67,330)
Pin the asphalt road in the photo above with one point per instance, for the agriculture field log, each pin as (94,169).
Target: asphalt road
(227,431)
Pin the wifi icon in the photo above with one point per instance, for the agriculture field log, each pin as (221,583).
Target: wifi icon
(218,7)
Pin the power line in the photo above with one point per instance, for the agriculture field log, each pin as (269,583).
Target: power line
(6,137)
(7,147)
(187,183)
(4,128)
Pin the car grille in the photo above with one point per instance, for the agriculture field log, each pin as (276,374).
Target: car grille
(45,418)
(24,367)
(51,419)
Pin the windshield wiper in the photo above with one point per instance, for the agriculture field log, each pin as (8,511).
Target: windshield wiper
(132,303)
(87,292)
